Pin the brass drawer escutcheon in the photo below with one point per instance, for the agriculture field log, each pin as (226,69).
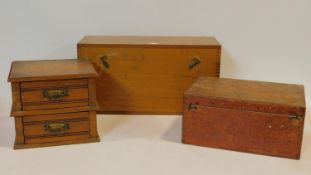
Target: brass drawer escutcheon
(192,106)
(56,127)
(55,94)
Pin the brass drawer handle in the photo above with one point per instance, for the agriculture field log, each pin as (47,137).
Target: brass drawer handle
(194,62)
(55,94)
(57,127)
(104,61)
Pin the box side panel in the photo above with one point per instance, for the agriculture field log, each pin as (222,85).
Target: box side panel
(16,97)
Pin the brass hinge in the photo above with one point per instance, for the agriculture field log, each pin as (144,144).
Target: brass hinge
(294,117)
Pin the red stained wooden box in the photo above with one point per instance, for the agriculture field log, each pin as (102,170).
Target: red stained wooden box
(249,116)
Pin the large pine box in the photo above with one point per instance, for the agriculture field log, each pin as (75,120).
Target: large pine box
(142,74)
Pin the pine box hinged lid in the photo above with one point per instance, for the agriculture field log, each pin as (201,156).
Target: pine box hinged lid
(153,41)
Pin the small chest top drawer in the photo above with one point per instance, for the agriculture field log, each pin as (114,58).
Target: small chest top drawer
(52,86)
(54,94)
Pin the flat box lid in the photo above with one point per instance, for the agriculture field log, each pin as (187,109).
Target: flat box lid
(285,96)
(50,70)
(149,41)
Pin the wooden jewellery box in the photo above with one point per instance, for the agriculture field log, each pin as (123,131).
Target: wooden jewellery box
(148,75)
(54,102)
(250,116)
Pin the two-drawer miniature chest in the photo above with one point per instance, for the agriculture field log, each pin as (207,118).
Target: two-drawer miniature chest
(250,116)
(148,74)
(54,102)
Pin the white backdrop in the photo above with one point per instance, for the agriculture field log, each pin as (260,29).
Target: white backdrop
(262,39)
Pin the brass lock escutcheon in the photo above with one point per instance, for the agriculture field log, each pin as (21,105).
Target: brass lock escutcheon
(104,60)
(55,94)
(194,62)
(56,127)
(192,106)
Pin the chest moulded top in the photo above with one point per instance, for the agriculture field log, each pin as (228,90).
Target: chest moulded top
(248,95)
(50,70)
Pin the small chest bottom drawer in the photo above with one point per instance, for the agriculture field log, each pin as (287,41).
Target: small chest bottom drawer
(56,127)
(57,138)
